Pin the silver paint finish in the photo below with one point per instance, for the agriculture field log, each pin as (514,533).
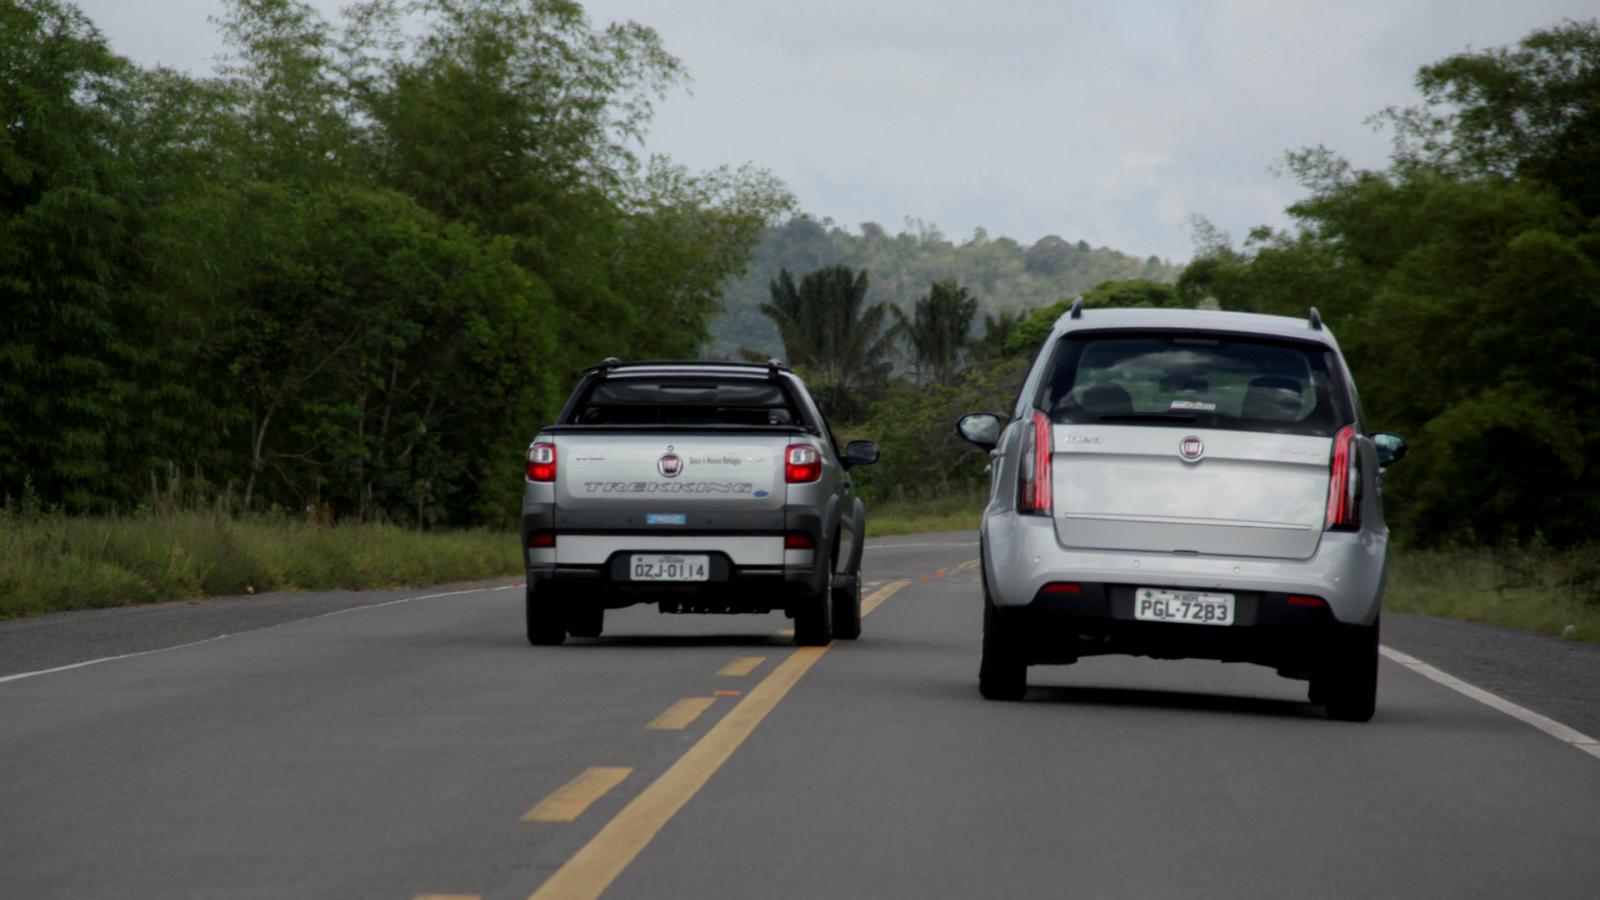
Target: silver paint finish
(1129,510)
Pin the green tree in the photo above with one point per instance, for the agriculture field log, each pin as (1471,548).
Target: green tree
(938,331)
(1530,111)
(1031,330)
(1464,285)
(91,399)
(831,335)
(997,330)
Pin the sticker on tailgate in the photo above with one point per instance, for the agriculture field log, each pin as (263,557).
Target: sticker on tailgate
(668,487)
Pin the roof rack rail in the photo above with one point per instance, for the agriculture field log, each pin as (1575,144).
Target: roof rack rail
(1077,308)
(1316,319)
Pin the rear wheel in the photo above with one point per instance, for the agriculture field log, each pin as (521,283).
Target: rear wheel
(847,606)
(1347,681)
(813,615)
(1002,672)
(547,623)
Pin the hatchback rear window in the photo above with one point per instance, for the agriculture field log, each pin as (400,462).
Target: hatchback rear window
(699,401)
(1206,381)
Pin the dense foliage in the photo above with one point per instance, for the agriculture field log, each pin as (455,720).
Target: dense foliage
(353,271)
(1006,277)
(1464,284)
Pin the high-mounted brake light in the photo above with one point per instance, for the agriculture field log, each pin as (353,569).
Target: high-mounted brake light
(801,463)
(1033,479)
(1344,483)
(542,462)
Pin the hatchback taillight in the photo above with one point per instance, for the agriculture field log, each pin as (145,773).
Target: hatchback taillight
(1033,476)
(542,462)
(801,463)
(1344,482)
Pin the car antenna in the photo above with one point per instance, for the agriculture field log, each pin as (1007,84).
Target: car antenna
(1316,319)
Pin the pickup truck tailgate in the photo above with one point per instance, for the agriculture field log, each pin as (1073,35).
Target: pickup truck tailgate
(670,475)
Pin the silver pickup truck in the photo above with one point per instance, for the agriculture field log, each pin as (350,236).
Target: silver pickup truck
(702,487)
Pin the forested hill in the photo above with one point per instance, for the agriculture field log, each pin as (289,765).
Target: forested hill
(1005,275)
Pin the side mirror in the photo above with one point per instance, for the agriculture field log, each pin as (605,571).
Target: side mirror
(982,429)
(860,453)
(1391,448)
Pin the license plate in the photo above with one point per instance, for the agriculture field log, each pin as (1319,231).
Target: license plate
(1189,607)
(668,567)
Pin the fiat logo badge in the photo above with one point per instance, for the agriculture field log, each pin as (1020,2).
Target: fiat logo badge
(1191,449)
(670,464)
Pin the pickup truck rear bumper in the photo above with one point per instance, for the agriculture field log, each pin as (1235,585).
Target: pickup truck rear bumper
(748,572)
(730,589)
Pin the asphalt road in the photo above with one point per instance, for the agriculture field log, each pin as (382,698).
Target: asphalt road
(328,747)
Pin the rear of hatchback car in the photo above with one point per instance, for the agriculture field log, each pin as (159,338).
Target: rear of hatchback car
(1186,484)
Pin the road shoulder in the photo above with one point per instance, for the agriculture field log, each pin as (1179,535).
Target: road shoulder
(1551,676)
(67,638)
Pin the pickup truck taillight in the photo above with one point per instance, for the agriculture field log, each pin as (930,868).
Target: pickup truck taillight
(1033,473)
(542,462)
(1344,483)
(801,463)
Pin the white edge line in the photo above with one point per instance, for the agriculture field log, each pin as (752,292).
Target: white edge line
(1560,732)
(338,612)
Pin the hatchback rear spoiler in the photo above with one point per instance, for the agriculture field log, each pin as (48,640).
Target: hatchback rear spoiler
(772,366)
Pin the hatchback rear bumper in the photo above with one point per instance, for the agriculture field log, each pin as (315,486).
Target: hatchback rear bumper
(1022,555)
(1099,620)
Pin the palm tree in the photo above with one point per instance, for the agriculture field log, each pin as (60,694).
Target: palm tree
(831,335)
(996,329)
(939,330)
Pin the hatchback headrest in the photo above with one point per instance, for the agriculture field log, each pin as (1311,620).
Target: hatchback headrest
(1272,397)
(1107,398)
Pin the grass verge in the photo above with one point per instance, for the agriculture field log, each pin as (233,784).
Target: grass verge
(56,562)
(958,512)
(1547,591)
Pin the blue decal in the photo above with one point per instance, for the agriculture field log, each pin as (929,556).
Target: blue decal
(759,494)
(666,519)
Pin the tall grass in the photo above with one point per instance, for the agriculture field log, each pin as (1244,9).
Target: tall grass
(1530,588)
(52,562)
(956,512)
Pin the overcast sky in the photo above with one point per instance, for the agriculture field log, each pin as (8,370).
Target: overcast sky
(1109,122)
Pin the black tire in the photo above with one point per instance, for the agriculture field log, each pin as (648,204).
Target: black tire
(586,619)
(547,621)
(813,616)
(847,607)
(1347,681)
(1002,671)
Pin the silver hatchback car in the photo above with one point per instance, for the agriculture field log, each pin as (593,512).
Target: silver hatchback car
(1186,484)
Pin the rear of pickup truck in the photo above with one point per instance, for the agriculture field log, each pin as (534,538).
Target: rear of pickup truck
(709,488)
